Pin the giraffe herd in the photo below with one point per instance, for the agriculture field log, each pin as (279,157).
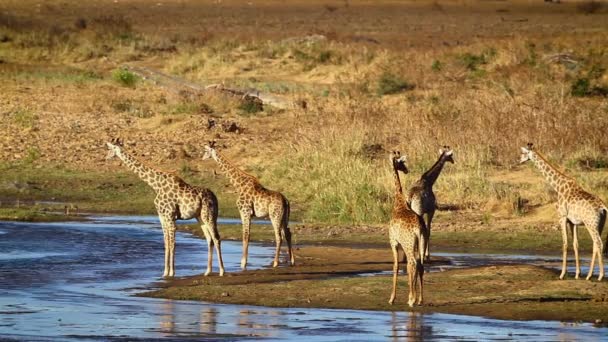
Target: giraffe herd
(409,227)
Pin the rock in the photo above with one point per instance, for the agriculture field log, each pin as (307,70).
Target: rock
(225,294)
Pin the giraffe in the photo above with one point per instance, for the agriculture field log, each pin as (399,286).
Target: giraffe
(421,198)
(255,200)
(575,206)
(406,229)
(176,200)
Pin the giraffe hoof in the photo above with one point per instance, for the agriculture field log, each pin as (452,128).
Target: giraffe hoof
(275,264)
(207,273)
(221,273)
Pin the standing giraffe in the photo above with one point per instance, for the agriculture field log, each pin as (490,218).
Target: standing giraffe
(421,198)
(255,200)
(176,200)
(406,229)
(575,206)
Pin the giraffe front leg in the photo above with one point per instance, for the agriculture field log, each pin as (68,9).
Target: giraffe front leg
(171,234)
(395,272)
(563,222)
(166,245)
(246,218)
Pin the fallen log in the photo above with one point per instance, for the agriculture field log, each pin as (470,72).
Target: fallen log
(178,85)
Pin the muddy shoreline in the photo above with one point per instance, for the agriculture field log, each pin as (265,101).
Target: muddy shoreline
(349,278)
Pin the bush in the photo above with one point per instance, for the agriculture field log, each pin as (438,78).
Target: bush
(392,84)
(125,77)
(251,106)
(580,87)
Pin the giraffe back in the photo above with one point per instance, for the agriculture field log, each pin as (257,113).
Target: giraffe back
(421,198)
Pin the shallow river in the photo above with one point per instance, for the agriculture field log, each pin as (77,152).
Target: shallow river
(75,281)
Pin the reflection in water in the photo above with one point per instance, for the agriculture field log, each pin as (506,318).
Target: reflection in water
(409,326)
(167,318)
(208,320)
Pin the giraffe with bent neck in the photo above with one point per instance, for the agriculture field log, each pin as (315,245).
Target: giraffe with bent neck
(575,206)
(176,200)
(255,200)
(406,230)
(420,196)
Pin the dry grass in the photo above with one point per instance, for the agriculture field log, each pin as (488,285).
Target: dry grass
(481,77)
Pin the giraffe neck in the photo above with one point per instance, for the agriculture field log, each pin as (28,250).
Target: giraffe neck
(555,178)
(432,174)
(399,199)
(236,176)
(147,174)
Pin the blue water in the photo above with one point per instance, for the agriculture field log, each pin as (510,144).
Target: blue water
(75,281)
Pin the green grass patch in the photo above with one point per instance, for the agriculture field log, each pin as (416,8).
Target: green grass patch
(125,77)
(389,83)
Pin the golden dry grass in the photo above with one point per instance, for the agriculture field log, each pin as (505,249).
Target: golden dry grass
(482,82)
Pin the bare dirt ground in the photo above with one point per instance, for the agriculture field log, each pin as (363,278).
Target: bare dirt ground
(332,277)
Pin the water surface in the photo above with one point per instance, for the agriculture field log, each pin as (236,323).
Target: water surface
(75,281)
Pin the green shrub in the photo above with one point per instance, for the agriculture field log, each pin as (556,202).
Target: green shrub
(250,106)
(436,66)
(580,87)
(392,84)
(125,77)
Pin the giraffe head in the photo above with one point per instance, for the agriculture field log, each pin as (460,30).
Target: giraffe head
(398,161)
(113,148)
(209,150)
(526,153)
(447,154)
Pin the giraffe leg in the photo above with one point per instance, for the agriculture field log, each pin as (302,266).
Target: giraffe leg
(276,225)
(395,272)
(563,222)
(246,219)
(217,241)
(292,259)
(209,249)
(574,230)
(171,237)
(600,257)
(597,245)
(420,271)
(411,277)
(166,244)
(427,238)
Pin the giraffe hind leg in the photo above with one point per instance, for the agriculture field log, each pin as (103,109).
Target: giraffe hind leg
(395,272)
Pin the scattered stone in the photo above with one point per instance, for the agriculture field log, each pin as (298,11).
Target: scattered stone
(230,127)
(225,294)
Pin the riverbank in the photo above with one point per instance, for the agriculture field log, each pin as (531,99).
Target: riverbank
(346,278)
